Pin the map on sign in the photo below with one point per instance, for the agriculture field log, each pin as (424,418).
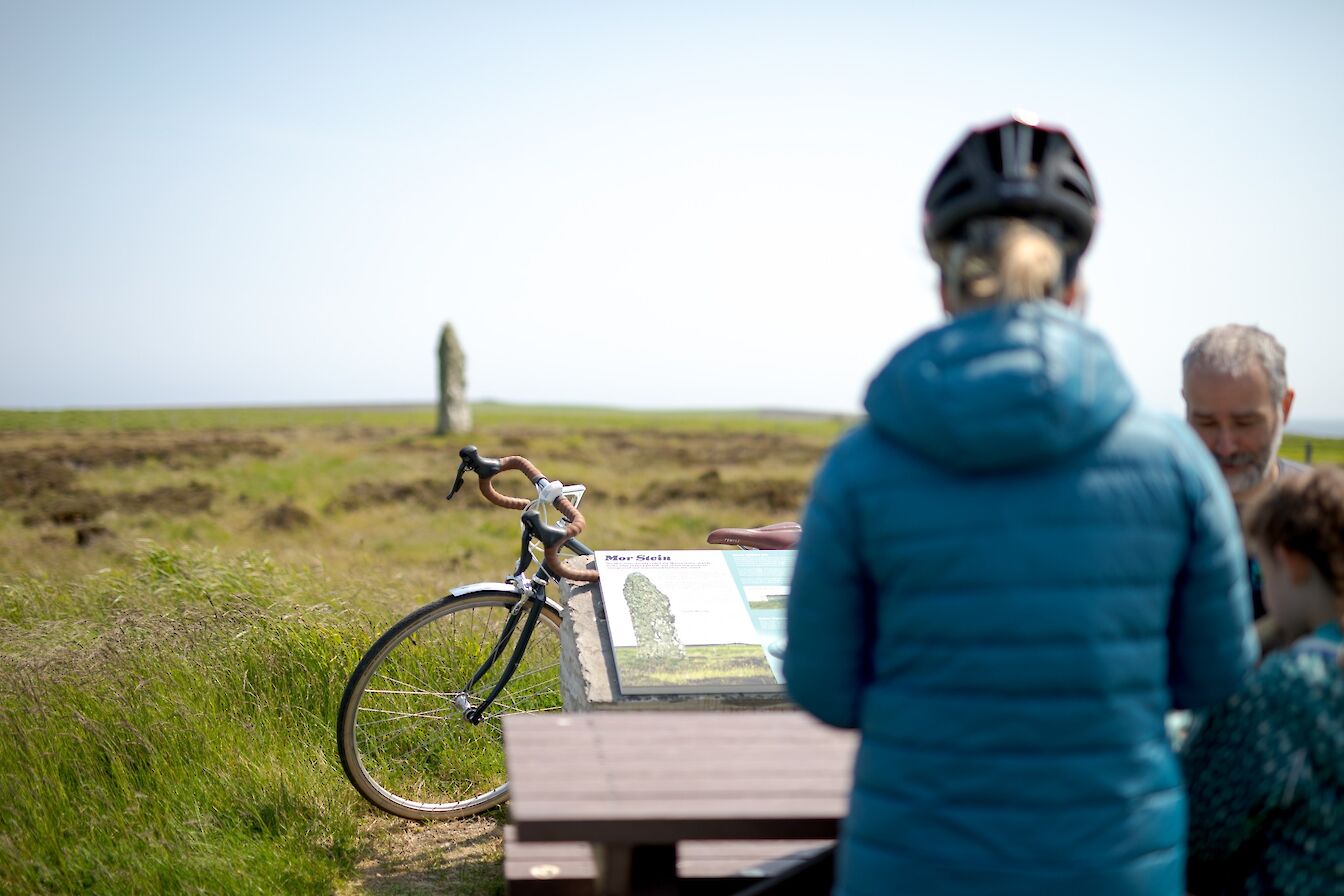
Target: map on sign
(696,622)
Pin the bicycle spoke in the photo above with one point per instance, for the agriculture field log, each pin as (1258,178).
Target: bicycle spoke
(520,697)
(391,715)
(389,691)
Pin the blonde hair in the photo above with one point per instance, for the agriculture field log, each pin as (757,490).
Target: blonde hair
(1002,261)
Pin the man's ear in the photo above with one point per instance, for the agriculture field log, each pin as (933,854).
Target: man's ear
(1288,403)
(1296,564)
(1069,295)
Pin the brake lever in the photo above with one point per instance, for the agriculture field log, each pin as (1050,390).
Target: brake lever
(524,554)
(457,483)
(548,535)
(472,460)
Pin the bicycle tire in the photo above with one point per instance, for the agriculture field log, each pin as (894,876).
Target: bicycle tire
(404,744)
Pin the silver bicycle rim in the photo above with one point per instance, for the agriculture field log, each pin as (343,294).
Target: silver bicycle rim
(413,752)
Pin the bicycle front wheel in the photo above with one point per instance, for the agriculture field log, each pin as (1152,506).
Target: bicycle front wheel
(403,738)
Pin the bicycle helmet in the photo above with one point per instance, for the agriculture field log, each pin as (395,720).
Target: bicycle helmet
(1015,168)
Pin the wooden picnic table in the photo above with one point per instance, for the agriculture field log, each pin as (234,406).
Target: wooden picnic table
(634,784)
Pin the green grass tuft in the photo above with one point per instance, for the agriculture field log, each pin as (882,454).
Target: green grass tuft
(169,729)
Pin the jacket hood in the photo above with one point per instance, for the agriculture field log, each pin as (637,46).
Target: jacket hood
(1011,386)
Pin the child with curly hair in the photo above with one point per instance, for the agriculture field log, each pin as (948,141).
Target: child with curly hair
(1265,769)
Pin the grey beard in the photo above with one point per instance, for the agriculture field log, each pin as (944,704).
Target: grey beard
(1244,482)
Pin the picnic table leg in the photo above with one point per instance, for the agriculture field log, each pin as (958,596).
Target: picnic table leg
(644,869)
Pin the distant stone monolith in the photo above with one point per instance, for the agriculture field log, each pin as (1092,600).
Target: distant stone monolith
(454,412)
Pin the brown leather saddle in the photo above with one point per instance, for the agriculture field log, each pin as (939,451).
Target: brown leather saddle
(774,537)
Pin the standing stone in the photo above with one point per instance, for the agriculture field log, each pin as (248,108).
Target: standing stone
(651,616)
(454,412)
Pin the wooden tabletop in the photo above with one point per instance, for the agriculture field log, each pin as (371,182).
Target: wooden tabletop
(649,777)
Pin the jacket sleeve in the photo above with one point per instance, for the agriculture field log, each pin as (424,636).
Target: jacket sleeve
(1213,644)
(828,657)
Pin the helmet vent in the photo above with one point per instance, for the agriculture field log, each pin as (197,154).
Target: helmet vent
(1038,140)
(1070,187)
(957,189)
(1077,185)
(1017,153)
(995,148)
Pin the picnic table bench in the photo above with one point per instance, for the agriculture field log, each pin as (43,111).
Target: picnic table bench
(635,785)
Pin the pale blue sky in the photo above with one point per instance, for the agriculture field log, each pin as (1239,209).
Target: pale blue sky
(644,205)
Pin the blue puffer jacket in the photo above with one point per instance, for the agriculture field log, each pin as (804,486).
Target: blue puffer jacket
(1007,577)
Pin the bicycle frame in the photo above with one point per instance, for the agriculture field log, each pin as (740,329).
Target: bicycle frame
(533,589)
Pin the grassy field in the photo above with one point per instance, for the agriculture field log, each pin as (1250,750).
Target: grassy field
(1322,451)
(183,593)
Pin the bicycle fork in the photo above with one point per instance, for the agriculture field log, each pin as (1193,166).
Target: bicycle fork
(533,596)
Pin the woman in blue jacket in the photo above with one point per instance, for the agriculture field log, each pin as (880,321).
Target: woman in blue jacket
(1009,574)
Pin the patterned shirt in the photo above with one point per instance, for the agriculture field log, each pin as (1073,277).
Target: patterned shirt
(1265,775)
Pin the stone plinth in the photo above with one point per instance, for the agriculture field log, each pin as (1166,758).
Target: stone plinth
(588,671)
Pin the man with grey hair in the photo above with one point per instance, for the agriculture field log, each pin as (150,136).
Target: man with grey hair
(1237,399)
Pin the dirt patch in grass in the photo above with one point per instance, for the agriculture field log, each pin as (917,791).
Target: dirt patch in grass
(64,508)
(776,495)
(76,507)
(174,500)
(651,448)
(40,480)
(285,517)
(410,858)
(23,475)
(128,450)
(86,536)
(429,493)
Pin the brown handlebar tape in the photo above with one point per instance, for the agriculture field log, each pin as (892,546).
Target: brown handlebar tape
(513,462)
(574,522)
(563,569)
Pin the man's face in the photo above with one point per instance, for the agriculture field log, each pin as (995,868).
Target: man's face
(1235,417)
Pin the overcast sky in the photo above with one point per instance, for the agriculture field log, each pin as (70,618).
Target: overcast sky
(630,204)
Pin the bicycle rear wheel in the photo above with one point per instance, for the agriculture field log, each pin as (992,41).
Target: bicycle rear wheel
(404,743)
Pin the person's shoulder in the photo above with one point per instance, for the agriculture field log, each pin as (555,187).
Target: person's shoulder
(1292,467)
(1301,696)
(864,441)
(854,447)
(1161,441)
(1306,670)
(855,440)
(1151,430)
(859,453)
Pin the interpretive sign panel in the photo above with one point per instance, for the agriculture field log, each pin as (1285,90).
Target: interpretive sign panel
(696,622)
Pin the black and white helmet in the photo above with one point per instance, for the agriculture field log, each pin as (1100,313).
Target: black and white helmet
(1016,168)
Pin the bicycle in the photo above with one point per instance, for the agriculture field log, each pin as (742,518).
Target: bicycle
(419,726)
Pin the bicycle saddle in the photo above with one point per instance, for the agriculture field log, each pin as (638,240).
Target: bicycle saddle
(774,537)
